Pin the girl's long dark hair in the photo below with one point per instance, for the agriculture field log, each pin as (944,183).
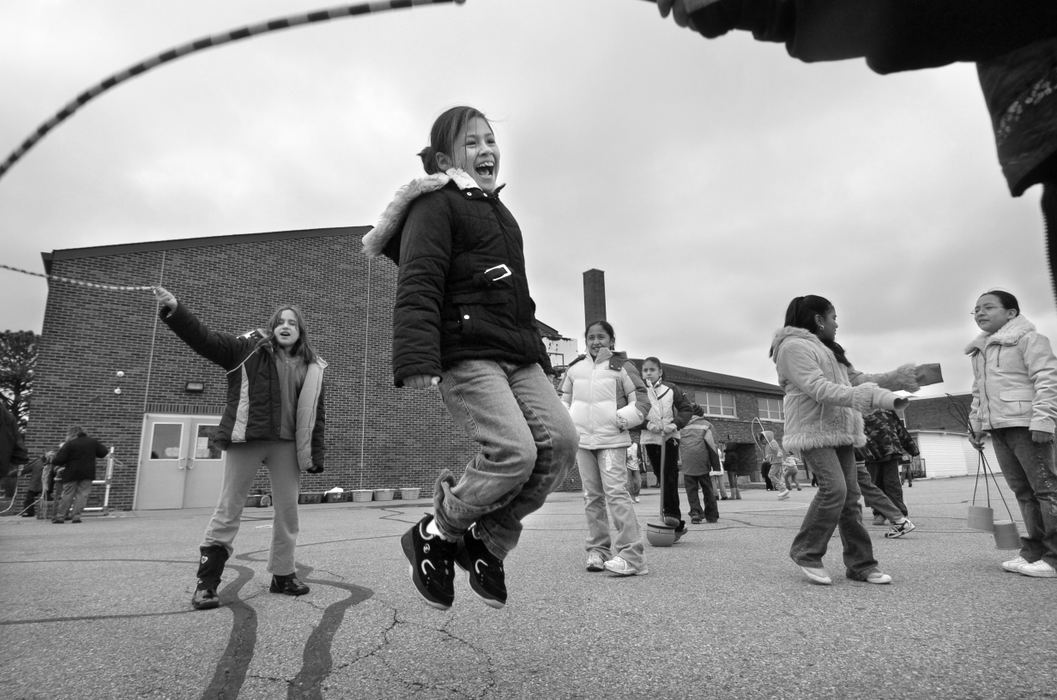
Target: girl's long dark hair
(302,347)
(801,313)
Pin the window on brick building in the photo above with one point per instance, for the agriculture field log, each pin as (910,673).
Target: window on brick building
(770,409)
(716,403)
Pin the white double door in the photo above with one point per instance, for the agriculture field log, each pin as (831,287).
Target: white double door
(179,466)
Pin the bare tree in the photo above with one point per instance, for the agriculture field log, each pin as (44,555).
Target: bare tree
(18,358)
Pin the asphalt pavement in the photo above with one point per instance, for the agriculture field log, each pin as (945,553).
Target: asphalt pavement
(102,610)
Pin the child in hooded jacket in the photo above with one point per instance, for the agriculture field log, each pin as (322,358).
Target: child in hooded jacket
(774,456)
(1015,402)
(606,397)
(699,456)
(464,322)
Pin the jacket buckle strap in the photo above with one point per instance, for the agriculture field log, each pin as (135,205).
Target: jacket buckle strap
(497,272)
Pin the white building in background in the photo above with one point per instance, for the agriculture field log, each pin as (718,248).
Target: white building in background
(938,425)
(945,454)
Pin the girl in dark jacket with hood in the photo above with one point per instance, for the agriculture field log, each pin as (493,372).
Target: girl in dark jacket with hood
(274,416)
(464,322)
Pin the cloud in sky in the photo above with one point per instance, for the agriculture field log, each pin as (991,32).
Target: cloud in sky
(712,181)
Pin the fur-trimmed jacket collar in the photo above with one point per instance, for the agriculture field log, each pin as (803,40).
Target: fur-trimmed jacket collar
(1009,334)
(378,239)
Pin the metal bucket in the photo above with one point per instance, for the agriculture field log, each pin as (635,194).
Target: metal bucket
(1006,535)
(981,518)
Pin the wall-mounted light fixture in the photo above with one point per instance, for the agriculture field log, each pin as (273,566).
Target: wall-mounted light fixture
(194,387)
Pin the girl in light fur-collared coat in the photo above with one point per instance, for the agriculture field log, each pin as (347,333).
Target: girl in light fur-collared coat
(824,400)
(464,322)
(1015,402)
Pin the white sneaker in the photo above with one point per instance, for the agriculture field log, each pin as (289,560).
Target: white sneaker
(783,494)
(1013,565)
(620,567)
(876,576)
(817,575)
(1038,569)
(596,562)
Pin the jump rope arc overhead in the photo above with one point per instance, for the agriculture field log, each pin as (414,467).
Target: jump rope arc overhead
(201,44)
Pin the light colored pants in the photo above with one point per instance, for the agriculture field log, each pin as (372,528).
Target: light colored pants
(527,445)
(634,482)
(279,457)
(75,493)
(603,475)
(776,474)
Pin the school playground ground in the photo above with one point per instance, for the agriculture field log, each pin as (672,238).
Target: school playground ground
(102,610)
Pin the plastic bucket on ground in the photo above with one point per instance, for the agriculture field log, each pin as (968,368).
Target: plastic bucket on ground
(384,494)
(361,495)
(409,494)
(1006,535)
(981,518)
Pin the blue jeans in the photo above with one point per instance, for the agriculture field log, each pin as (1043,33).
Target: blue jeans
(527,444)
(1029,470)
(834,507)
(602,473)
(279,457)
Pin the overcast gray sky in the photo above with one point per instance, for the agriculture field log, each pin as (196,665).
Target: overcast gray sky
(712,181)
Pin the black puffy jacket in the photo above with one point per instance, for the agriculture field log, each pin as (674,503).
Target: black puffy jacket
(462,292)
(254,397)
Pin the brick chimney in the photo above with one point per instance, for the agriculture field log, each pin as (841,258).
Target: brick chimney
(594,296)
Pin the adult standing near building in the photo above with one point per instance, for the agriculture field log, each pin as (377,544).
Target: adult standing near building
(76,460)
(274,416)
(887,440)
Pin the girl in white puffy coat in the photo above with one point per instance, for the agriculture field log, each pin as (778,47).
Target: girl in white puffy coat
(606,397)
(1015,402)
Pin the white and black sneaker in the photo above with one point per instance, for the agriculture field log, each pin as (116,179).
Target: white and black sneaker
(432,564)
(486,575)
(900,529)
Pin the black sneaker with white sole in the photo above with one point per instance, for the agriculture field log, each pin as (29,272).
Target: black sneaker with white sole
(432,564)
(485,570)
